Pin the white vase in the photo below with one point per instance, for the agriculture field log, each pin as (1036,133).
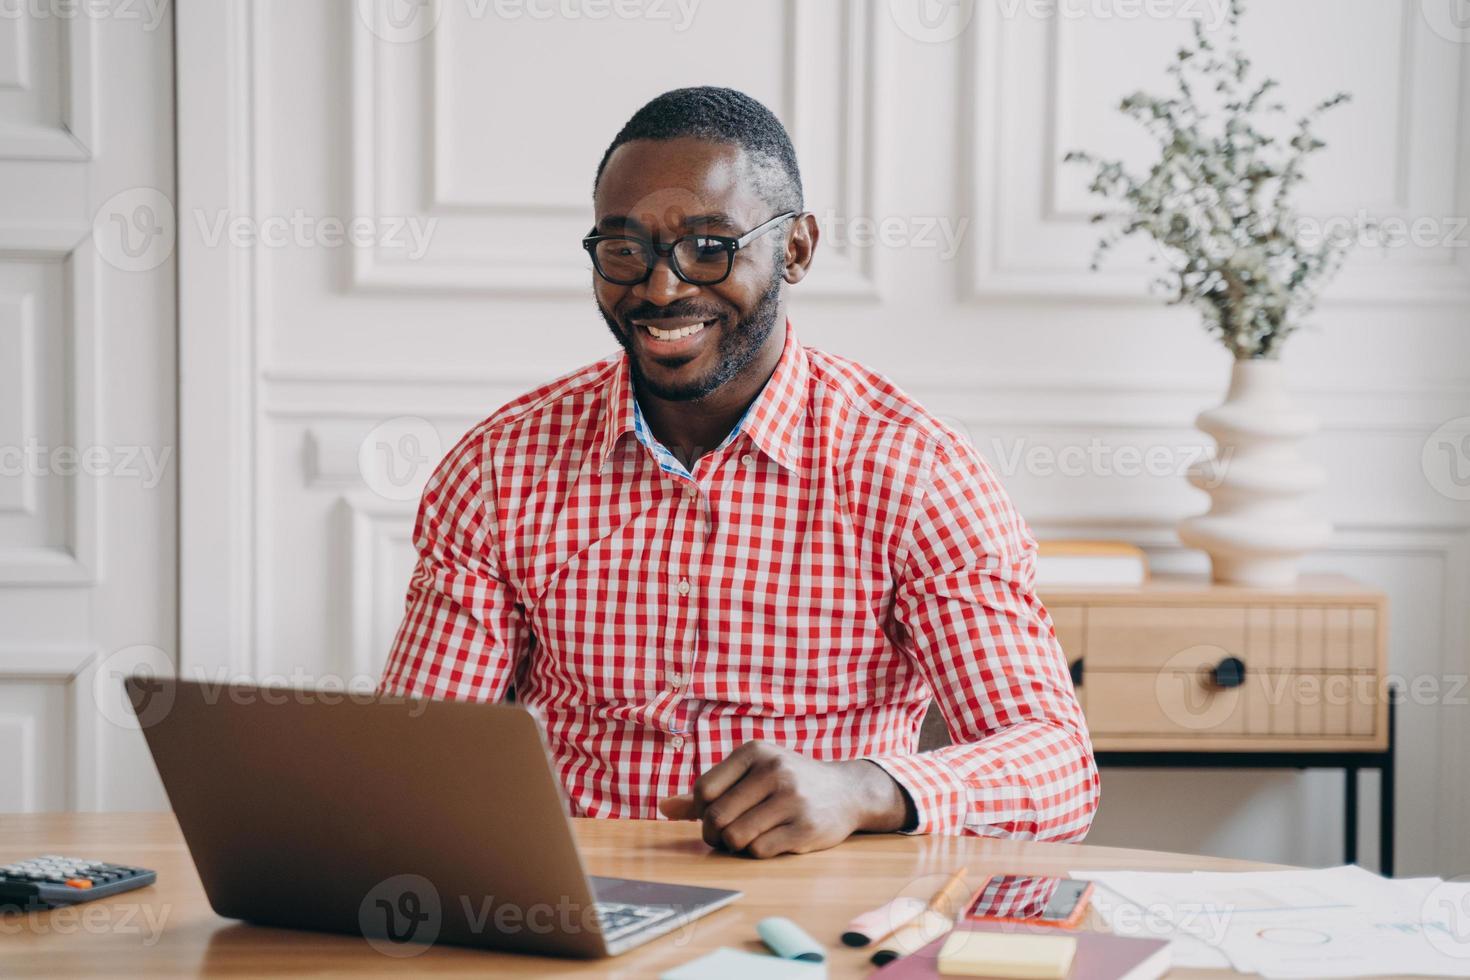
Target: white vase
(1258,525)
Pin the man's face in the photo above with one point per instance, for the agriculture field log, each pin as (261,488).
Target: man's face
(661,190)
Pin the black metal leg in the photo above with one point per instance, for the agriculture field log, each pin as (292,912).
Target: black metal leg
(1385,798)
(1350,815)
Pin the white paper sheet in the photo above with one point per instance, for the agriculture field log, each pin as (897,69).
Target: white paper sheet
(1335,922)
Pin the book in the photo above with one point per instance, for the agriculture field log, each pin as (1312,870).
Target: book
(1101,563)
(1099,956)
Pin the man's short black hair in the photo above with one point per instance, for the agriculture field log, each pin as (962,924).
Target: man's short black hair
(726,116)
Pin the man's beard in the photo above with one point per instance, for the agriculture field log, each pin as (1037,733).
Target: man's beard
(737,348)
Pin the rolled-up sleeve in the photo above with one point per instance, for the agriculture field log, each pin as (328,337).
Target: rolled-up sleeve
(966,611)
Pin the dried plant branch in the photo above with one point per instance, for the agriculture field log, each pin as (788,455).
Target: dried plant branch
(1218,200)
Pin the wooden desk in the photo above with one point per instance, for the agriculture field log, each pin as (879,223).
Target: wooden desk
(169,929)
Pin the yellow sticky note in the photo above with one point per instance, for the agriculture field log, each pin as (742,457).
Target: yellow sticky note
(1020,956)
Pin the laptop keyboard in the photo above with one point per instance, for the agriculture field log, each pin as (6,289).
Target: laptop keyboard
(619,918)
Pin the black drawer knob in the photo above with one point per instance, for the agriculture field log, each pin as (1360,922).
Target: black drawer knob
(1076,669)
(1229,672)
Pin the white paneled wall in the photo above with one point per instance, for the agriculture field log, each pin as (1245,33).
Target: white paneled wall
(464,136)
(87,373)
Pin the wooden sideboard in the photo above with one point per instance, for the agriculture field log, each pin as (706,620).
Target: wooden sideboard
(1180,664)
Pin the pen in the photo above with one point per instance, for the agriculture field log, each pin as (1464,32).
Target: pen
(942,897)
(930,924)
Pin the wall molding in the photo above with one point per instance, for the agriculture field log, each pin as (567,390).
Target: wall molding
(219,600)
(316,394)
(75,138)
(43,661)
(76,563)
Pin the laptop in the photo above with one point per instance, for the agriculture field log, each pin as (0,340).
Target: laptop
(405,821)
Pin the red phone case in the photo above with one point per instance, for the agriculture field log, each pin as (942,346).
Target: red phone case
(1072,921)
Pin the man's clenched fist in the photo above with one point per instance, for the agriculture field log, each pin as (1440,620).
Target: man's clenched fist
(764,800)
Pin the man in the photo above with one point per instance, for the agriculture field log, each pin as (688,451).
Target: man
(728,571)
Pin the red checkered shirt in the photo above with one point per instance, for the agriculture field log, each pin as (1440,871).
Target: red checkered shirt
(840,561)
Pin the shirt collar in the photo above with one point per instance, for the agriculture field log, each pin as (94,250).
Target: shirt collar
(618,413)
(773,421)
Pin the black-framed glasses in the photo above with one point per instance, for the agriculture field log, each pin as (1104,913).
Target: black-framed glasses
(701,260)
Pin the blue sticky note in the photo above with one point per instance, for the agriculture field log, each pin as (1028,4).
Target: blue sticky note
(737,964)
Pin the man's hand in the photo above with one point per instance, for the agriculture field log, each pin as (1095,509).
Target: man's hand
(764,800)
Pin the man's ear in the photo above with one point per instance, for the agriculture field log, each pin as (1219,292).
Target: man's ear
(801,247)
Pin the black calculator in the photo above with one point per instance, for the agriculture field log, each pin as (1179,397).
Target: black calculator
(51,880)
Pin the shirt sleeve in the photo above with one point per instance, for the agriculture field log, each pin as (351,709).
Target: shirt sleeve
(966,611)
(463,630)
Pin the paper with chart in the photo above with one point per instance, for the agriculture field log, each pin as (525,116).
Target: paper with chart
(1337,922)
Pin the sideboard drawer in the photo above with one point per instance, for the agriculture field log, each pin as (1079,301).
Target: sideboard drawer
(1151,637)
(1184,704)
(1312,639)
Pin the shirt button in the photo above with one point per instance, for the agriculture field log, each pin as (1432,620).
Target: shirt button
(683,586)
(676,680)
(677,741)
(690,490)
(747,459)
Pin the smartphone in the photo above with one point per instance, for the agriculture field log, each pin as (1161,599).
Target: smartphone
(1030,900)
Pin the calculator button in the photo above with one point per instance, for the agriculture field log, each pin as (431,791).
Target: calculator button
(79,883)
